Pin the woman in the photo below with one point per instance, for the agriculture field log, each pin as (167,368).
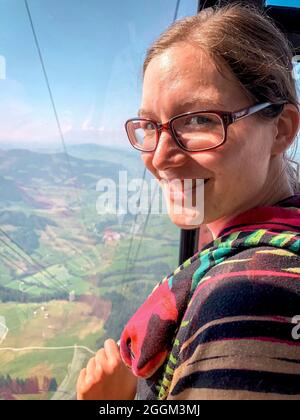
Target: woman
(220,326)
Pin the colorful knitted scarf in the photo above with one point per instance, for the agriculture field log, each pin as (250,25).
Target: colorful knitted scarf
(148,338)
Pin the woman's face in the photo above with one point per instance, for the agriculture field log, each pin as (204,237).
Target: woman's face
(184,79)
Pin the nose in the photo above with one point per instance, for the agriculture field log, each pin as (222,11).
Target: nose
(168,153)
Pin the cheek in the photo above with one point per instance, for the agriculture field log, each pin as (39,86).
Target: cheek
(214,163)
(241,158)
(254,153)
(246,149)
(244,159)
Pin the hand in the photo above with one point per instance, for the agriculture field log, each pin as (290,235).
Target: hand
(106,377)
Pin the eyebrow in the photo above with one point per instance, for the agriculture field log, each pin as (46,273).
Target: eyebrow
(204,104)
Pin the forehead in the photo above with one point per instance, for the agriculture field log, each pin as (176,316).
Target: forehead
(182,61)
(185,71)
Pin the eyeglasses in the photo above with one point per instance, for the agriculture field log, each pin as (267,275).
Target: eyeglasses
(192,131)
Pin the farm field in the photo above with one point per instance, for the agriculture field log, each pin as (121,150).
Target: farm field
(69,276)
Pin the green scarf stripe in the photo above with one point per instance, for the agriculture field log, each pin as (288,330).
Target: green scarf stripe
(228,240)
(162,393)
(164,388)
(282,239)
(218,241)
(187,263)
(177,270)
(205,264)
(295,246)
(172,359)
(204,252)
(255,237)
(213,257)
(169,370)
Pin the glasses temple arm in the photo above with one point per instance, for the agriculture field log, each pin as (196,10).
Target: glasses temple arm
(249,111)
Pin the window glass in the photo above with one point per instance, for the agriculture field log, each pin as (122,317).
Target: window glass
(296,147)
(289,3)
(72,268)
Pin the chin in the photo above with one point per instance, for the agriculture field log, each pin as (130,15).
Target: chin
(186,210)
(187,227)
(187,220)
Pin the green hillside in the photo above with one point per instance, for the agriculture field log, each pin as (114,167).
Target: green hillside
(64,283)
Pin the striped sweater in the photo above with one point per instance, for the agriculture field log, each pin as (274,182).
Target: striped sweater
(223,325)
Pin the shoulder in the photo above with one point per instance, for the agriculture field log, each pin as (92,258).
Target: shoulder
(247,280)
(257,281)
(236,336)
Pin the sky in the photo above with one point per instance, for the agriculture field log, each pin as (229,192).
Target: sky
(93,53)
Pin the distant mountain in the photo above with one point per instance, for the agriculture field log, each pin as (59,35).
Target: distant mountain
(24,167)
(130,158)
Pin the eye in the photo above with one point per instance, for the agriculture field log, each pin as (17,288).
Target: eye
(198,120)
(147,126)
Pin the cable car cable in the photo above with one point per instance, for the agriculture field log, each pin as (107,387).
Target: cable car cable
(143,232)
(62,138)
(176,11)
(35,262)
(133,228)
(144,175)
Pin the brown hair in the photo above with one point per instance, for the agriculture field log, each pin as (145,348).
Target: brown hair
(255,50)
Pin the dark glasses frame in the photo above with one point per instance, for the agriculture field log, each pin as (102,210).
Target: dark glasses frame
(227,118)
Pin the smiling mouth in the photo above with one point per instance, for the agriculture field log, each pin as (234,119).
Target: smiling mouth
(176,192)
(194,180)
(174,188)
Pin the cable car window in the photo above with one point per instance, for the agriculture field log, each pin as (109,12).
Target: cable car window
(296,65)
(75,263)
(289,3)
(83,237)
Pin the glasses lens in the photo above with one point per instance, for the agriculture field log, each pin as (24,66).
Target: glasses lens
(142,134)
(199,131)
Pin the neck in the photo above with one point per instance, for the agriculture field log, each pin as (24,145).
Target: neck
(279,192)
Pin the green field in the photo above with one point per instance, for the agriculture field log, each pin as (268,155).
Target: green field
(64,287)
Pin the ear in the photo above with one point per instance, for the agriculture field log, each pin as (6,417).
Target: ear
(287,127)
